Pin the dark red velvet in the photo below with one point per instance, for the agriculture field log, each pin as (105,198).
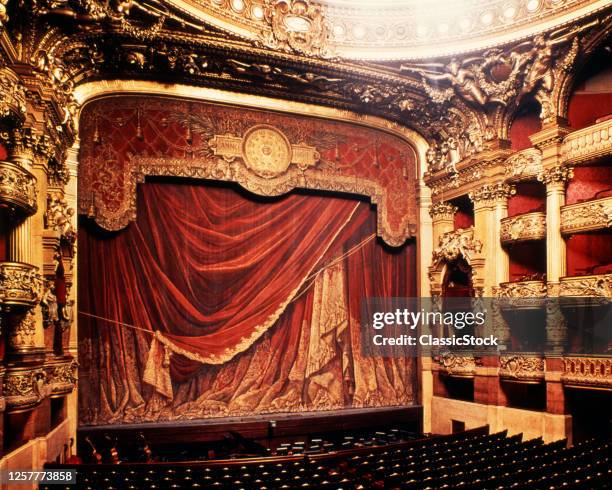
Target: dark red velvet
(585,108)
(589,253)
(588,182)
(464,217)
(529,197)
(526,123)
(527,259)
(206,265)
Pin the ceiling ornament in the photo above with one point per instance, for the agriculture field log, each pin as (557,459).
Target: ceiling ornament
(296,26)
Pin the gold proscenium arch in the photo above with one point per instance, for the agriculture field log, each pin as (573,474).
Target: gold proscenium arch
(236,159)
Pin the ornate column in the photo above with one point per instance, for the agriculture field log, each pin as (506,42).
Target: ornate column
(490,207)
(442,216)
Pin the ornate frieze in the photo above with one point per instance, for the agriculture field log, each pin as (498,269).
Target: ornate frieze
(22,334)
(594,286)
(443,210)
(296,26)
(587,144)
(20,284)
(586,216)
(521,289)
(560,174)
(594,372)
(524,227)
(490,193)
(523,165)
(458,366)
(24,388)
(12,92)
(17,188)
(455,244)
(521,368)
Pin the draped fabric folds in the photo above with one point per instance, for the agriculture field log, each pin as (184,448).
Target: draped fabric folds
(237,306)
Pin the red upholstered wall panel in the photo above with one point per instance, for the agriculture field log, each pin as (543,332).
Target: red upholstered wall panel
(2,152)
(527,259)
(586,108)
(529,197)
(525,124)
(589,183)
(589,253)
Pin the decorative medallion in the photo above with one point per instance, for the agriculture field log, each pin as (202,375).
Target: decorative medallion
(266,151)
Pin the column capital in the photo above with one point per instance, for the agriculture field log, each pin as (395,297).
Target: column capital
(442,210)
(26,146)
(559,174)
(492,193)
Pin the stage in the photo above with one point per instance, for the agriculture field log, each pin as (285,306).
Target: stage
(261,428)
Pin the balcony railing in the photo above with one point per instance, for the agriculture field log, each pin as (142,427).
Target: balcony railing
(524,227)
(457,366)
(521,368)
(586,216)
(587,144)
(17,188)
(595,372)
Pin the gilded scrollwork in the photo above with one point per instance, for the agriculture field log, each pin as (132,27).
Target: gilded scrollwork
(59,216)
(61,378)
(524,227)
(20,284)
(22,335)
(296,26)
(458,366)
(442,210)
(521,368)
(455,244)
(587,144)
(559,174)
(17,188)
(521,289)
(523,165)
(490,193)
(597,285)
(13,94)
(587,371)
(586,216)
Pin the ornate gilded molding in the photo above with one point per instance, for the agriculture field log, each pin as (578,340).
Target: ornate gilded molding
(521,289)
(24,388)
(587,144)
(590,286)
(20,284)
(587,371)
(490,193)
(556,175)
(457,366)
(521,368)
(296,26)
(59,217)
(442,210)
(455,244)
(586,216)
(22,333)
(17,188)
(12,93)
(523,165)
(524,227)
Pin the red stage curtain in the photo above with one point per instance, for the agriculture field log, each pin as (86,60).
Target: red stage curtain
(213,271)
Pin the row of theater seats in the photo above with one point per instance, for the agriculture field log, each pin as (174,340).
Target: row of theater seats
(469,460)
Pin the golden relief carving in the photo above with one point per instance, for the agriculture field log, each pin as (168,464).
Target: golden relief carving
(560,174)
(296,26)
(22,336)
(442,210)
(17,188)
(524,227)
(12,93)
(455,244)
(587,144)
(587,371)
(20,284)
(490,193)
(265,150)
(586,216)
(458,366)
(597,285)
(523,165)
(521,289)
(521,368)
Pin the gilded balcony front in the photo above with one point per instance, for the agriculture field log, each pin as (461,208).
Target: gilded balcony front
(17,188)
(586,216)
(594,372)
(521,368)
(587,144)
(524,227)
(20,284)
